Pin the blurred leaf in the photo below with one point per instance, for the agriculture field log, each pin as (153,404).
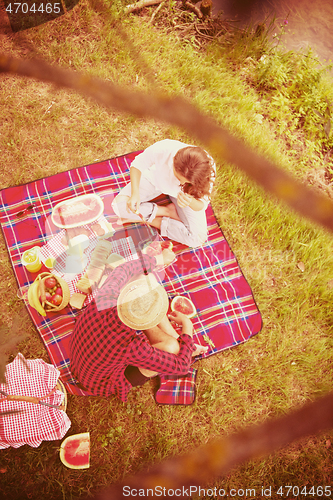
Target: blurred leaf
(319,114)
(301,266)
(327,128)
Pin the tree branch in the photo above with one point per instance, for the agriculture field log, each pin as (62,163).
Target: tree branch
(199,467)
(181,113)
(140,4)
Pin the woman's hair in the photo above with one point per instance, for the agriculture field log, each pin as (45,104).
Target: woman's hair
(196,166)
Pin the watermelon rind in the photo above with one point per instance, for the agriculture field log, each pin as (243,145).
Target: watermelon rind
(188,302)
(84,439)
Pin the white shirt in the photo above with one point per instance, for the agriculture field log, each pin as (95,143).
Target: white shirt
(156,164)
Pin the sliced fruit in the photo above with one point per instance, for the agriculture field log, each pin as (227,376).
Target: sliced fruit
(183,305)
(153,249)
(166,244)
(75,451)
(156,247)
(50,262)
(77,211)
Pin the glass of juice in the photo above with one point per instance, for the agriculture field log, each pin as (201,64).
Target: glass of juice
(31,260)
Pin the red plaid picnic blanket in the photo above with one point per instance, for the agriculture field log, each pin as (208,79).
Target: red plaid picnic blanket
(210,276)
(175,390)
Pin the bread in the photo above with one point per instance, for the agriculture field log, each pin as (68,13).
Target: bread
(96,267)
(84,285)
(114,260)
(77,300)
(94,274)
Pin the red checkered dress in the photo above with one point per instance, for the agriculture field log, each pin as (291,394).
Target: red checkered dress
(102,346)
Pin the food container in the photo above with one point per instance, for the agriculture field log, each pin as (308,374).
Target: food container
(31,259)
(77,211)
(64,287)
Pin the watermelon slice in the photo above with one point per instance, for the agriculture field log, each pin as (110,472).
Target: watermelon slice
(77,211)
(183,305)
(75,451)
(156,247)
(166,244)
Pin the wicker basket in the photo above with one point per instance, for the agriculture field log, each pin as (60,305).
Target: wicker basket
(64,287)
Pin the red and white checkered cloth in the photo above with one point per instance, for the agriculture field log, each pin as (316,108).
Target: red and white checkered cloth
(55,248)
(35,423)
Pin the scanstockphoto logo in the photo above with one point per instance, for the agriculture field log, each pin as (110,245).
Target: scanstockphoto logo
(30,13)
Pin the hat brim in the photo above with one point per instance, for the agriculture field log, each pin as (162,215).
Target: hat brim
(149,320)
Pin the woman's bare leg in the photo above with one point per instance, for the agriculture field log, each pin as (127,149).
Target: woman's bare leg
(162,211)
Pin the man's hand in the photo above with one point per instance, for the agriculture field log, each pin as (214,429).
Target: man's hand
(200,349)
(184,199)
(182,319)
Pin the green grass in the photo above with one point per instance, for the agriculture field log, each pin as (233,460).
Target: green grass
(47,130)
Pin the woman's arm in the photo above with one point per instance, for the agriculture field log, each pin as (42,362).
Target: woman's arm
(133,202)
(196,205)
(186,200)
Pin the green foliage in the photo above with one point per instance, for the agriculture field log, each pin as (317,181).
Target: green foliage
(248,42)
(111,436)
(298,93)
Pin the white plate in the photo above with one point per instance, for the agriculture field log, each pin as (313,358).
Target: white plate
(78,203)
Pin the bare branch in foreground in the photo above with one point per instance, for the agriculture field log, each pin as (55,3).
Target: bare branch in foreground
(157,11)
(193,8)
(204,464)
(177,111)
(140,4)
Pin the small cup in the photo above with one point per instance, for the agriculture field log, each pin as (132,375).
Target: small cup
(22,292)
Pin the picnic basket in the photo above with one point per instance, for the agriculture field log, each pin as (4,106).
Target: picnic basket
(64,287)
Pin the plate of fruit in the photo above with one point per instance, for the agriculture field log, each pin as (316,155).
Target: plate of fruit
(77,211)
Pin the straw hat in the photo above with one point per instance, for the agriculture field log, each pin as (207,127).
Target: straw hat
(142,303)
